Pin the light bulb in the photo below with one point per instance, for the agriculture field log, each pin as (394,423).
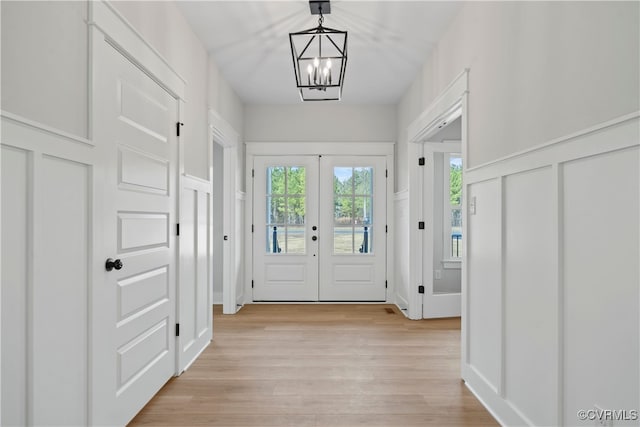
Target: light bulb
(328,63)
(325,71)
(309,69)
(316,62)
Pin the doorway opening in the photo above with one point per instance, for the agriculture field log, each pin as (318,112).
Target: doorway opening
(319,228)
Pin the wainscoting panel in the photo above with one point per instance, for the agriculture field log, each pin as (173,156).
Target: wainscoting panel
(529,285)
(195,287)
(47,197)
(601,296)
(483,297)
(552,320)
(16,274)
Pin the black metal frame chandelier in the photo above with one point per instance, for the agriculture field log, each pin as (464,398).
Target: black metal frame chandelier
(319,58)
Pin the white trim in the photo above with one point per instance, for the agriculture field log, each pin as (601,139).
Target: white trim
(196,179)
(188,365)
(451,264)
(320,148)
(566,138)
(223,134)
(442,108)
(502,242)
(558,256)
(120,34)
(254,149)
(449,105)
(401,195)
(44,128)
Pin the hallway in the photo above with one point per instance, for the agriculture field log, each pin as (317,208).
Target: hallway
(322,365)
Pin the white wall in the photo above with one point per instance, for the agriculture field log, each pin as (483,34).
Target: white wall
(44,63)
(329,122)
(165,28)
(547,274)
(539,70)
(46,154)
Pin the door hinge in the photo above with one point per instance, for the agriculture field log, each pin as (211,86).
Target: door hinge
(421,289)
(386,173)
(420,225)
(178,229)
(386,228)
(178,125)
(252,284)
(253,173)
(421,161)
(252,228)
(386,284)
(177,329)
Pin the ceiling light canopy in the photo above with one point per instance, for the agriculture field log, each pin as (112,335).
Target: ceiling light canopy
(319,58)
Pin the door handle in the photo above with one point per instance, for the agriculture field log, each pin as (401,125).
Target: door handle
(111,264)
(314,238)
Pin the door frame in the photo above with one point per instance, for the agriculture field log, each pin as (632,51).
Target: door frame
(107,25)
(223,134)
(450,104)
(435,305)
(316,149)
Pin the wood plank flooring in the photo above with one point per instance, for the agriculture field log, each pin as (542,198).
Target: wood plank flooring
(322,365)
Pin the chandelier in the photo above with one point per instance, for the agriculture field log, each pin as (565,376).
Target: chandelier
(319,58)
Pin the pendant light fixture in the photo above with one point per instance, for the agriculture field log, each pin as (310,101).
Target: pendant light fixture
(319,57)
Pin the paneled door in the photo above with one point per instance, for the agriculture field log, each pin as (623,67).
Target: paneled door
(353,223)
(134,306)
(285,235)
(319,228)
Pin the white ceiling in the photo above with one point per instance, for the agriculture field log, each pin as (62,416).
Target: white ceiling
(388,43)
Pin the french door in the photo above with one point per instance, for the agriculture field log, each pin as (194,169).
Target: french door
(319,228)
(134,307)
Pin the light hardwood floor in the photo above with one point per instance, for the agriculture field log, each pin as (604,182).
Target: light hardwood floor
(322,365)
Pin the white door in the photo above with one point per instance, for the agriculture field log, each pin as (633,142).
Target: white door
(442,254)
(134,307)
(319,228)
(353,222)
(285,238)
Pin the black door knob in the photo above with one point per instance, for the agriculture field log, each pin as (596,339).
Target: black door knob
(314,238)
(111,264)
(314,228)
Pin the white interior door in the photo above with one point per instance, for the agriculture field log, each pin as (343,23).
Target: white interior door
(134,308)
(442,253)
(285,239)
(353,223)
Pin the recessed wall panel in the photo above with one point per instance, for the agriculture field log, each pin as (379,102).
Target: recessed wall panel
(484,286)
(15,281)
(601,282)
(59,351)
(529,247)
